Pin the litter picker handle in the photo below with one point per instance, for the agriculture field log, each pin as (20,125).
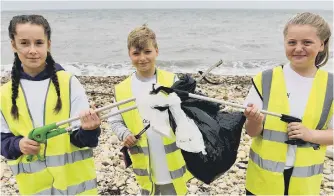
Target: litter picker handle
(298,142)
(97,111)
(283,117)
(182,93)
(142,131)
(43,133)
(105,116)
(230,104)
(118,112)
(289,119)
(124,149)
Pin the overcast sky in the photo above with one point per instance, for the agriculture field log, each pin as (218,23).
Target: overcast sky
(76,4)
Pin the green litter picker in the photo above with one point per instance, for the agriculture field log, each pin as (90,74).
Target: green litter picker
(41,134)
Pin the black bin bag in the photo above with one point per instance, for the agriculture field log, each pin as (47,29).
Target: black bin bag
(221,133)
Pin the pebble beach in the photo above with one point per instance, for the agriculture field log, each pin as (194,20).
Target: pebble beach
(112,176)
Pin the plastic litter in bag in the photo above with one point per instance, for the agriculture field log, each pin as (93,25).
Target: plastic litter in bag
(188,136)
(159,120)
(221,133)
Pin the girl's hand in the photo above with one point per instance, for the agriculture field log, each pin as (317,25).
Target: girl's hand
(90,120)
(253,114)
(28,146)
(297,130)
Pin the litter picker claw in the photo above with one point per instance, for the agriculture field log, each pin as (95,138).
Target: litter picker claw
(42,134)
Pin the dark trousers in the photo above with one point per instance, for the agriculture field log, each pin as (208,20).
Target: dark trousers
(287,175)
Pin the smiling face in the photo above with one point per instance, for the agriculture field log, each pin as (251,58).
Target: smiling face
(143,50)
(144,59)
(31,44)
(302,46)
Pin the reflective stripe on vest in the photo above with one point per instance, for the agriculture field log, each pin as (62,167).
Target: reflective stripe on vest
(71,190)
(266,88)
(168,149)
(279,166)
(327,103)
(268,151)
(51,161)
(63,160)
(174,174)
(140,153)
(278,136)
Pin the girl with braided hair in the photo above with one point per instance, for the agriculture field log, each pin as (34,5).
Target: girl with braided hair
(41,92)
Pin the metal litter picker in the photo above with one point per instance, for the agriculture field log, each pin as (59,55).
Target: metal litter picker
(283,117)
(41,134)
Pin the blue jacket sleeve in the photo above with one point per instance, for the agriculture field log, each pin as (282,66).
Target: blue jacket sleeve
(10,148)
(83,138)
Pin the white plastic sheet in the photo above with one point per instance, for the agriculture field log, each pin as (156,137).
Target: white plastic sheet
(188,136)
(158,120)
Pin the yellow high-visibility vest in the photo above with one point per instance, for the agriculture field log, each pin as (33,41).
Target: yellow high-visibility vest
(67,169)
(140,152)
(268,151)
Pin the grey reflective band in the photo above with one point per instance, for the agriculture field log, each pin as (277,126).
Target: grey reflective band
(266,87)
(275,136)
(281,137)
(141,172)
(71,190)
(169,148)
(138,150)
(174,174)
(68,158)
(308,171)
(32,167)
(178,173)
(266,164)
(51,161)
(273,166)
(327,102)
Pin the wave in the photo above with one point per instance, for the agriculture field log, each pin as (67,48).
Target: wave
(246,67)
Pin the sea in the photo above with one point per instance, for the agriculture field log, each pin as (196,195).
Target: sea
(94,42)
